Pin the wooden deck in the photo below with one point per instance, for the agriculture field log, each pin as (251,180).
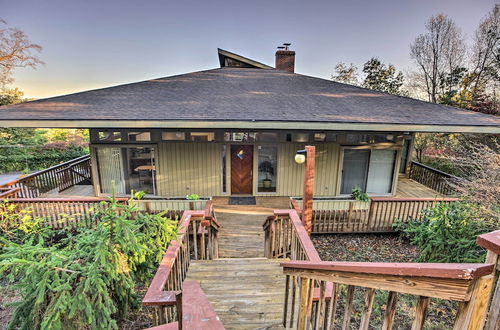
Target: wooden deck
(75,191)
(408,188)
(405,188)
(241,235)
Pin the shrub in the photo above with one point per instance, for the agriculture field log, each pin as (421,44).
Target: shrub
(87,278)
(359,194)
(447,232)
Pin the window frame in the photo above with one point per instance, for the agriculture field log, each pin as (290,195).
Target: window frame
(380,146)
(95,166)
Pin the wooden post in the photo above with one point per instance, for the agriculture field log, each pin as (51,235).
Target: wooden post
(307,198)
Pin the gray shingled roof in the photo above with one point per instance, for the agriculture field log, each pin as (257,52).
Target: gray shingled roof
(243,94)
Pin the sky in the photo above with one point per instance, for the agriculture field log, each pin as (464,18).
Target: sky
(98,43)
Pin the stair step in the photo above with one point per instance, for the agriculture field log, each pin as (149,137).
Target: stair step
(246,293)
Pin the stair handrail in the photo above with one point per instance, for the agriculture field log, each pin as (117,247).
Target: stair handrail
(34,184)
(316,283)
(197,238)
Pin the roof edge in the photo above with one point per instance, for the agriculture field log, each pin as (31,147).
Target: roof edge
(229,124)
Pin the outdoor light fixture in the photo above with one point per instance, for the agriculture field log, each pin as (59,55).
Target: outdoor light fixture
(390,137)
(300,157)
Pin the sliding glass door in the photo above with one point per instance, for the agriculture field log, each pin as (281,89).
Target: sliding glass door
(371,170)
(354,170)
(129,168)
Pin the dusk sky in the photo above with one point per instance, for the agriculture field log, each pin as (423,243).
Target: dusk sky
(97,43)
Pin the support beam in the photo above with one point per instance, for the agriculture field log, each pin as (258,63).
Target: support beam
(307,199)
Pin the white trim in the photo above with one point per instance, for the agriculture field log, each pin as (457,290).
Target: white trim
(108,124)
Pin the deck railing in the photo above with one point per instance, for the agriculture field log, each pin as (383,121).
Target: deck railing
(62,212)
(375,216)
(197,239)
(312,287)
(433,178)
(60,177)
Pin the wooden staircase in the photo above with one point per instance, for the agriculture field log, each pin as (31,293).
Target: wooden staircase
(246,293)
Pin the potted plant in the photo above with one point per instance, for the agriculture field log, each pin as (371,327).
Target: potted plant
(267,168)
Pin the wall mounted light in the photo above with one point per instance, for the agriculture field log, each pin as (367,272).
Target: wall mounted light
(300,157)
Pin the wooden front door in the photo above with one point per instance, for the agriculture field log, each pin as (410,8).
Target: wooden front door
(241,169)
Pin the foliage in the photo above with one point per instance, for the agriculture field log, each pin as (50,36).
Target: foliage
(11,96)
(359,194)
(477,162)
(16,51)
(383,77)
(447,233)
(38,157)
(193,197)
(86,279)
(377,75)
(18,225)
(347,74)
(267,167)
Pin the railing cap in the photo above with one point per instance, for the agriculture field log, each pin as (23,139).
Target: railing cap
(435,270)
(490,241)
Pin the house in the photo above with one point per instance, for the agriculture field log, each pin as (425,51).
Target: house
(234,130)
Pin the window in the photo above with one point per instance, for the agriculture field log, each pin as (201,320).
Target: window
(368,138)
(107,136)
(370,170)
(239,136)
(139,136)
(224,169)
(202,136)
(297,137)
(325,137)
(267,167)
(266,137)
(127,168)
(319,137)
(405,154)
(173,136)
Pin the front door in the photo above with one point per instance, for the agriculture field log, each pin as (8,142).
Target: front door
(241,169)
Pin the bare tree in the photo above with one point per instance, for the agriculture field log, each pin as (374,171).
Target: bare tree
(347,74)
(478,164)
(16,51)
(485,50)
(438,52)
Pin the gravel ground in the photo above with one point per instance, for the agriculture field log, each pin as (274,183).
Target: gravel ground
(381,248)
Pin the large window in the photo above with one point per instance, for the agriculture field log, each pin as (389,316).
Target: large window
(128,168)
(370,170)
(267,167)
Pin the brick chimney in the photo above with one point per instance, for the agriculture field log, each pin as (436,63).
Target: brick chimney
(285,58)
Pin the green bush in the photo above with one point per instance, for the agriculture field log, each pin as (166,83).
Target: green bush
(447,233)
(87,278)
(38,158)
(359,194)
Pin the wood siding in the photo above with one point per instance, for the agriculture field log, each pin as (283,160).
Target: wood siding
(199,167)
(196,168)
(291,174)
(189,168)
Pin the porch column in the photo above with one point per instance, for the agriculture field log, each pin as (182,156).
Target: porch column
(307,198)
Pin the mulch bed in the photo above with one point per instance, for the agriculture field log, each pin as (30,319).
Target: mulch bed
(381,248)
(365,247)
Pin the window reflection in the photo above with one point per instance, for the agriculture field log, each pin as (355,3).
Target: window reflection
(267,166)
(129,168)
